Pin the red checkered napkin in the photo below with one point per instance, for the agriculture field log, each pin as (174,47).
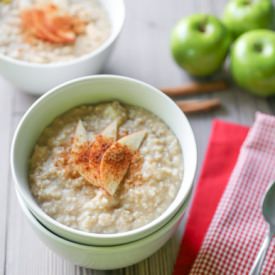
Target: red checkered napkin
(233,229)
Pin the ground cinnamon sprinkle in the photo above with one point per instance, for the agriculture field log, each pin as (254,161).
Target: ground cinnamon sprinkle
(118,159)
(134,175)
(98,148)
(65,161)
(88,157)
(82,154)
(64,156)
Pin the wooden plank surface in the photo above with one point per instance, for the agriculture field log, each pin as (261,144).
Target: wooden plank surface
(6,103)
(142,52)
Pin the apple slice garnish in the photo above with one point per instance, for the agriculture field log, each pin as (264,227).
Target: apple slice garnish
(88,155)
(61,25)
(116,161)
(133,141)
(51,34)
(111,130)
(51,24)
(99,147)
(80,136)
(40,29)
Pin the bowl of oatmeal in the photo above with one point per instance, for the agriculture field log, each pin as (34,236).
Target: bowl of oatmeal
(106,165)
(44,43)
(103,258)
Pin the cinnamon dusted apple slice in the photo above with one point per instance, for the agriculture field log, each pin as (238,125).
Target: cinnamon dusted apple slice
(33,23)
(116,161)
(56,34)
(99,147)
(51,24)
(60,24)
(41,30)
(87,155)
(55,19)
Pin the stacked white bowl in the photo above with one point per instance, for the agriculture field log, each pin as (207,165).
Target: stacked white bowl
(101,251)
(38,78)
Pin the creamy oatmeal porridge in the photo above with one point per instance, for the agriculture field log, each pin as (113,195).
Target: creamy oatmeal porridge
(43,31)
(79,197)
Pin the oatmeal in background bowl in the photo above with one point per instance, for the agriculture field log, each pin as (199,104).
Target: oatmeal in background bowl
(106,168)
(41,31)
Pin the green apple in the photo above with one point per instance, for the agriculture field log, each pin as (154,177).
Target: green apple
(199,44)
(244,15)
(252,62)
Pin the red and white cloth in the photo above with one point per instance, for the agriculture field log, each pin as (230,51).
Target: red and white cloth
(225,228)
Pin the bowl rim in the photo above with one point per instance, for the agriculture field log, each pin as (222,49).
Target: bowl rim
(31,218)
(39,212)
(76,60)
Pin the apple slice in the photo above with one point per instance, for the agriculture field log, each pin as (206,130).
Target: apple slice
(66,36)
(81,150)
(99,147)
(42,32)
(60,22)
(133,141)
(32,22)
(111,130)
(54,33)
(80,136)
(116,161)
(87,155)
(50,24)
(61,26)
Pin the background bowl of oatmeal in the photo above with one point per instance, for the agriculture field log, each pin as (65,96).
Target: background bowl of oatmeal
(104,258)
(38,67)
(92,90)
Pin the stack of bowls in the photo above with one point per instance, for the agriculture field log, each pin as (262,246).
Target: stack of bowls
(101,251)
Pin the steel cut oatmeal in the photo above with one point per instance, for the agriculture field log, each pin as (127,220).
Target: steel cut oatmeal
(43,31)
(106,168)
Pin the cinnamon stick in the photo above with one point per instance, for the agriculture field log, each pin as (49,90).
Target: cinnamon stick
(196,88)
(195,106)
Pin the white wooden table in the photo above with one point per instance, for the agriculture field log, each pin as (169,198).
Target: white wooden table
(143,53)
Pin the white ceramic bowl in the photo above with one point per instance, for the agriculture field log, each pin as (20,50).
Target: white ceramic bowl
(38,78)
(96,89)
(110,257)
